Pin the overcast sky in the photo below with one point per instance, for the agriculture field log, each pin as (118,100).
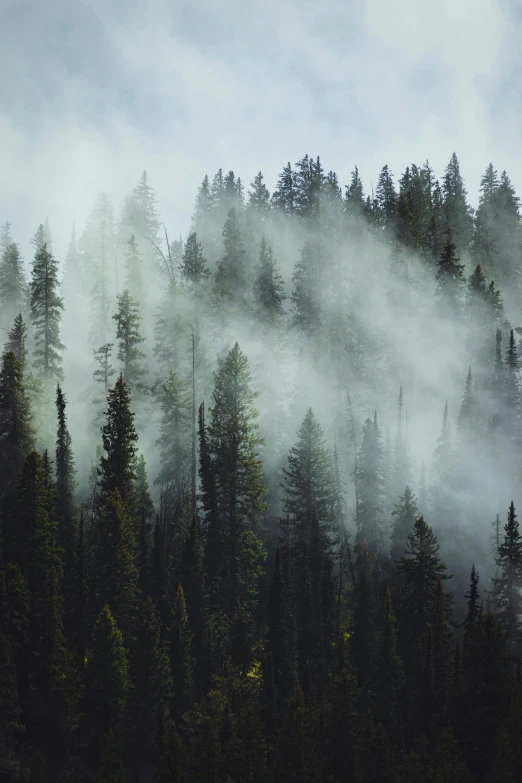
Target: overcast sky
(93,92)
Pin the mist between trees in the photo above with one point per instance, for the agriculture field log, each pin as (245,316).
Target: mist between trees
(245,475)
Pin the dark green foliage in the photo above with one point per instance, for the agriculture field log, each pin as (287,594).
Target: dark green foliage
(284,196)
(508,584)
(46,307)
(268,286)
(194,268)
(230,281)
(450,280)
(142,636)
(420,568)
(181,658)
(65,484)
(16,433)
(119,437)
(235,472)
(129,339)
(115,573)
(17,341)
(174,440)
(458,216)
(106,684)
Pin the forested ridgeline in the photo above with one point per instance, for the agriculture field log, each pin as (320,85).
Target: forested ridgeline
(323,389)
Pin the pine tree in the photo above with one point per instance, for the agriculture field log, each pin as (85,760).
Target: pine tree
(268,286)
(259,197)
(420,567)
(174,440)
(474,612)
(12,284)
(237,487)
(370,486)
(450,280)
(119,437)
(105,371)
(507,585)
(354,195)
(129,339)
(17,341)
(193,267)
(231,280)
(458,216)
(46,307)
(133,276)
(404,514)
(308,482)
(106,684)
(284,196)
(306,290)
(386,198)
(115,572)
(181,658)
(511,389)
(16,432)
(64,496)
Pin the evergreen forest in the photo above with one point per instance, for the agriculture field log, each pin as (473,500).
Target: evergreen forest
(259,485)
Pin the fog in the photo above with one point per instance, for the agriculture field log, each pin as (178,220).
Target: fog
(157,89)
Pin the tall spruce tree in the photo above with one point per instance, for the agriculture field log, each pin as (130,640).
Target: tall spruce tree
(507,585)
(119,438)
(193,267)
(17,341)
(450,280)
(238,489)
(420,568)
(370,486)
(64,493)
(129,339)
(306,290)
(268,286)
(231,274)
(12,284)
(46,307)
